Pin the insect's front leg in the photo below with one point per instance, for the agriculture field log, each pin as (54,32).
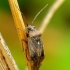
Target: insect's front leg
(26,47)
(24,39)
(22,42)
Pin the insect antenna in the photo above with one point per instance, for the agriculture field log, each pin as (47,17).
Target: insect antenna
(39,13)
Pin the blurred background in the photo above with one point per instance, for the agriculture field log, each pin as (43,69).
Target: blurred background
(56,37)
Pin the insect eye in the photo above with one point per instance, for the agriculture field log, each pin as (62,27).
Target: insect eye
(29,28)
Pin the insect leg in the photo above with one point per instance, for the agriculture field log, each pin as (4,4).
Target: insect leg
(26,53)
(26,48)
(22,42)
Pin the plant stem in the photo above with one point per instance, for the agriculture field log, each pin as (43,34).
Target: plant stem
(49,15)
(20,26)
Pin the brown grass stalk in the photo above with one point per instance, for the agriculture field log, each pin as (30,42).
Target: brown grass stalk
(49,15)
(6,60)
(20,24)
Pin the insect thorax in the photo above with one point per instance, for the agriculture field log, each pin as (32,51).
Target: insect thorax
(32,31)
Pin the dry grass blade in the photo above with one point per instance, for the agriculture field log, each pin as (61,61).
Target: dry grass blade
(19,26)
(6,60)
(50,13)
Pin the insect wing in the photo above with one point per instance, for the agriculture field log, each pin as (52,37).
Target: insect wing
(35,47)
(39,46)
(32,48)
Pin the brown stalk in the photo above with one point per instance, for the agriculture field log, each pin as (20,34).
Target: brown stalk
(6,60)
(50,14)
(20,26)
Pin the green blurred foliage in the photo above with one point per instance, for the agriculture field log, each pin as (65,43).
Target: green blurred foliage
(56,37)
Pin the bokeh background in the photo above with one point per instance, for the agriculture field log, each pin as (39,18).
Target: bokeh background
(56,37)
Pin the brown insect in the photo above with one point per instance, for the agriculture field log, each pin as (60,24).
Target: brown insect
(35,44)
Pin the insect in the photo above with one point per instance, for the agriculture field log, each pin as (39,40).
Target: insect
(35,44)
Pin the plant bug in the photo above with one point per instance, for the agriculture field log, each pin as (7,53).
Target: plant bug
(35,44)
